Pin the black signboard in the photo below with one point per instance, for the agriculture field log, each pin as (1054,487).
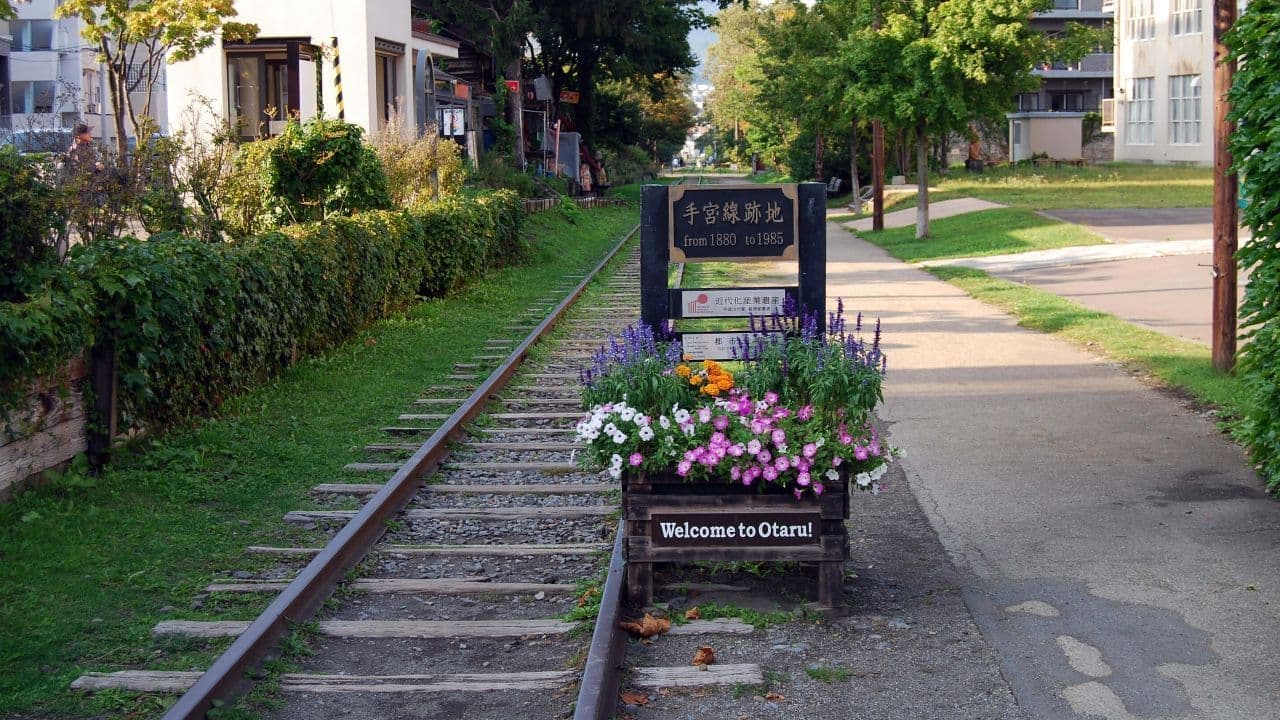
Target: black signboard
(732,222)
(728,529)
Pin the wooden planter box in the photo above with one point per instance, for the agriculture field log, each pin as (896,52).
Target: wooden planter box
(672,520)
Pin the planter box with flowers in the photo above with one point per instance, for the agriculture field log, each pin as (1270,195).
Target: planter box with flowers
(749,460)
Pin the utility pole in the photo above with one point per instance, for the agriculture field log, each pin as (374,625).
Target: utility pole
(1225,220)
(877,158)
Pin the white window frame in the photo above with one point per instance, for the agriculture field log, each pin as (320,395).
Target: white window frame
(1184,109)
(1140,23)
(1139,109)
(1186,17)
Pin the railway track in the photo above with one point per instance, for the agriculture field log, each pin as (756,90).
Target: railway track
(467,552)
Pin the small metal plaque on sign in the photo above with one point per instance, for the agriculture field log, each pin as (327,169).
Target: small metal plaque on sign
(711,346)
(730,302)
(735,529)
(732,222)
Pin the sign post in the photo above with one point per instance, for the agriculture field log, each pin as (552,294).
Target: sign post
(667,518)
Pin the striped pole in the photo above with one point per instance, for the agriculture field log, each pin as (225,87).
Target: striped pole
(337,79)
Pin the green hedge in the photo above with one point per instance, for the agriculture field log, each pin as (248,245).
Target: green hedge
(1255,42)
(196,322)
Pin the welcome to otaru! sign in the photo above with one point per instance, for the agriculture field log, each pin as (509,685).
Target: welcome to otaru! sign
(734,529)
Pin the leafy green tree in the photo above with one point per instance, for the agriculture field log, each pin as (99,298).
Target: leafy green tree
(143,35)
(935,65)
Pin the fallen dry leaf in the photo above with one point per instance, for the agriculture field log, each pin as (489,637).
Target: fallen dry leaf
(774,697)
(647,627)
(631,697)
(704,656)
(692,613)
(586,596)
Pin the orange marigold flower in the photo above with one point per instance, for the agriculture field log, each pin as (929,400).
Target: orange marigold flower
(695,380)
(712,389)
(683,370)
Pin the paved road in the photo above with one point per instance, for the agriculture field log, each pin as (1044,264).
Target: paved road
(1118,552)
(1172,295)
(1144,225)
(1156,275)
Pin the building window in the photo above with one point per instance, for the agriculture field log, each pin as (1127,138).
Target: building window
(1028,102)
(259,78)
(1139,124)
(31,35)
(1184,109)
(1066,4)
(1068,101)
(33,96)
(91,91)
(1185,17)
(388,92)
(1017,132)
(1141,24)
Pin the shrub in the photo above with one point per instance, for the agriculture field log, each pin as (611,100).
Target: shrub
(418,168)
(309,172)
(195,322)
(1257,159)
(29,215)
(464,236)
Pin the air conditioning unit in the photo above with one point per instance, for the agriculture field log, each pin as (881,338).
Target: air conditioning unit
(1108,112)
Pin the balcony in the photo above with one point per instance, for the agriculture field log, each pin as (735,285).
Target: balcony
(1079,10)
(1093,65)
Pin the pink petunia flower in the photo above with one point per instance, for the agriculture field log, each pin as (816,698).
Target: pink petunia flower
(636,459)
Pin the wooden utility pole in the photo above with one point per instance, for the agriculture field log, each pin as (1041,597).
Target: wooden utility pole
(1225,213)
(877,158)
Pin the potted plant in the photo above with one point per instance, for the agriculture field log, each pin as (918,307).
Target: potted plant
(751,459)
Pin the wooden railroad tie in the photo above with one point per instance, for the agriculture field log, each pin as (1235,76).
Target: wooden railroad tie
(569,512)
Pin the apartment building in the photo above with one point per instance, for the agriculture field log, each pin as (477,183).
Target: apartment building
(6,112)
(1078,86)
(54,78)
(386,61)
(1164,81)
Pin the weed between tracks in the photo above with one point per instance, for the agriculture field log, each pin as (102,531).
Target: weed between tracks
(89,565)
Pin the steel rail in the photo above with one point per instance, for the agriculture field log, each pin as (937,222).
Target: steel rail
(236,669)
(602,671)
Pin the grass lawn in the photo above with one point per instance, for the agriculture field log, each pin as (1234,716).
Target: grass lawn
(1114,185)
(88,565)
(989,232)
(1176,362)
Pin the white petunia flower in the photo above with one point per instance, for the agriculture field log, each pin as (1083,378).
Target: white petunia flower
(862,479)
(664,422)
(646,433)
(833,474)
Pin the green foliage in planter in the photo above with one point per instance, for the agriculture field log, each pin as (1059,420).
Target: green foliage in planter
(1255,42)
(29,214)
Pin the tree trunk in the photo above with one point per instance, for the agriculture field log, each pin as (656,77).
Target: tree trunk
(119,96)
(586,97)
(855,201)
(922,182)
(515,112)
(817,156)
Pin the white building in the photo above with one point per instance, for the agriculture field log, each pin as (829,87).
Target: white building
(54,78)
(1163,109)
(289,69)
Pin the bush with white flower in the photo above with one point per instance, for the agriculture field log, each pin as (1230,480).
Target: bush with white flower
(794,412)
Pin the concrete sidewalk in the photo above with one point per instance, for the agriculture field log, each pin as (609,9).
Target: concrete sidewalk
(937,211)
(1116,550)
